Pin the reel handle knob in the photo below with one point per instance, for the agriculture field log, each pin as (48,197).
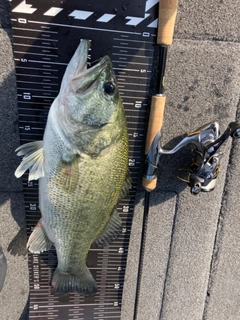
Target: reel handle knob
(195,184)
(234,129)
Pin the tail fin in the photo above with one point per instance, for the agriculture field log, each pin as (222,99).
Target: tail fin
(64,282)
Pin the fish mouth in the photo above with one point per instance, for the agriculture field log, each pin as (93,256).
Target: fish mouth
(79,59)
(78,63)
(96,68)
(78,75)
(87,78)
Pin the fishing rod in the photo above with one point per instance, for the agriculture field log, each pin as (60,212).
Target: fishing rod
(204,169)
(166,21)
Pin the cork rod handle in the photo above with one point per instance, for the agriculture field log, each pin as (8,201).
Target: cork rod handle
(154,126)
(166,21)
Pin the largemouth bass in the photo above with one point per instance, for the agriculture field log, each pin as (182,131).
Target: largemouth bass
(82,167)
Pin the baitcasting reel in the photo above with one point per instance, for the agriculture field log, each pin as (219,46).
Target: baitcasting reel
(204,169)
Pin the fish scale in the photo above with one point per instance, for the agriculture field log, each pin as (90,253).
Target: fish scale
(38,78)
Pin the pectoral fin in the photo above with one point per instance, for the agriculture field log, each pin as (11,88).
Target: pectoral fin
(111,231)
(33,158)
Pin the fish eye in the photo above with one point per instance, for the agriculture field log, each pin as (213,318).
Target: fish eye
(109,88)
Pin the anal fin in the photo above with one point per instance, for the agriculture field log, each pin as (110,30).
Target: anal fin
(111,231)
(38,240)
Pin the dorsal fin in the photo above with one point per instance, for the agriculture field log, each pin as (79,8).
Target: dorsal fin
(111,231)
(126,186)
(33,157)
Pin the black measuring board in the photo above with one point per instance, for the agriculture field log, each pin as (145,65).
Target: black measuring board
(116,7)
(45,36)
